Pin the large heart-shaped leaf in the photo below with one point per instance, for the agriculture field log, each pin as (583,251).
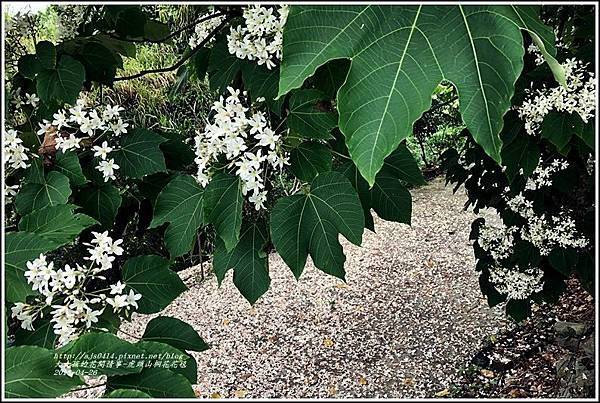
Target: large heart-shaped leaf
(62,83)
(308,117)
(174,332)
(139,154)
(182,363)
(304,224)
(30,372)
(310,159)
(20,247)
(151,277)
(58,224)
(181,204)
(223,203)
(398,57)
(248,260)
(90,345)
(101,202)
(68,164)
(34,196)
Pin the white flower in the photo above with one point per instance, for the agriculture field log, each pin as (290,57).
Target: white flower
(132,298)
(60,119)
(117,288)
(517,285)
(112,112)
(118,127)
(44,127)
(69,143)
(32,99)
(258,198)
(102,151)
(107,167)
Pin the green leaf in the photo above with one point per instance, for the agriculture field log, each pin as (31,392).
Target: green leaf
(35,172)
(100,202)
(89,345)
(542,36)
(402,165)
(151,277)
(29,372)
(177,154)
(68,164)
(46,54)
(309,223)
(20,247)
(399,55)
(521,153)
(29,66)
(309,159)
(563,260)
(200,63)
(131,22)
(174,332)
(309,117)
(388,196)
(330,77)
(156,382)
(223,207)
(34,196)
(139,154)
(42,336)
(588,135)
(183,363)
(127,394)
(61,84)
(223,67)
(261,82)
(559,128)
(57,224)
(100,62)
(181,204)
(248,260)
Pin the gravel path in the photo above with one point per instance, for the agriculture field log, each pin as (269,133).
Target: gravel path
(410,314)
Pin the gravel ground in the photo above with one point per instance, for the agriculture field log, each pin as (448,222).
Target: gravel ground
(409,316)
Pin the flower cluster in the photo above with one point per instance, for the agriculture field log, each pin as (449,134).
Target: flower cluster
(498,241)
(517,284)
(261,36)
(546,232)
(92,122)
(202,30)
(246,141)
(14,153)
(541,175)
(578,96)
(73,308)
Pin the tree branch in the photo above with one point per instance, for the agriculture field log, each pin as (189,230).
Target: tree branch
(172,34)
(181,61)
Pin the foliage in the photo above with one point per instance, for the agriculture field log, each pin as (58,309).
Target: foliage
(306,137)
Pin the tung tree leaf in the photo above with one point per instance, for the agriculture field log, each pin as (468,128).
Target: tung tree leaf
(46,54)
(478,48)
(139,154)
(42,336)
(174,332)
(308,118)
(33,196)
(100,202)
(223,202)
(309,159)
(186,364)
(62,83)
(29,372)
(559,128)
(58,224)
(151,277)
(181,204)
(68,164)
(248,260)
(388,197)
(20,247)
(304,224)
(89,344)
